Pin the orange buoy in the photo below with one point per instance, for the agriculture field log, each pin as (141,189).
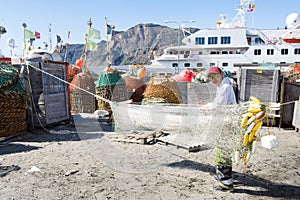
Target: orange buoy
(79,63)
(297,68)
(141,73)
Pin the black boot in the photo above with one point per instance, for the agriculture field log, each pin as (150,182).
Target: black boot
(224,178)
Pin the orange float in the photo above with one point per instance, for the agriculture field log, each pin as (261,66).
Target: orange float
(141,73)
(297,68)
(79,63)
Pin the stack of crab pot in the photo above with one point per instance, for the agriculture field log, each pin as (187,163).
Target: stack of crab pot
(82,90)
(110,86)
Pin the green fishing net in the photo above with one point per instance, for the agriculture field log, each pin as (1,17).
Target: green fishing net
(9,80)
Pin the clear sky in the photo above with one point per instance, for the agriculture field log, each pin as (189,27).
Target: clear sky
(72,15)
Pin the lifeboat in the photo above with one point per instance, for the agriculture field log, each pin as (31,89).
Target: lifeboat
(291,40)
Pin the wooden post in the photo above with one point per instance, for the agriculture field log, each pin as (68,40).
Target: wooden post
(281,101)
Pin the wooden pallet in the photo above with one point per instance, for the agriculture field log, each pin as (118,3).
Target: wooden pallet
(139,137)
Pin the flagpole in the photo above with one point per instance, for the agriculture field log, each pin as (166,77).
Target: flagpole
(24,45)
(107,42)
(67,45)
(50,42)
(89,23)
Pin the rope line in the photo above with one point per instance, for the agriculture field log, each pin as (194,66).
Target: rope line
(95,95)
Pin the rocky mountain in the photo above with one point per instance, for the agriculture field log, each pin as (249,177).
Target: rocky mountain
(137,45)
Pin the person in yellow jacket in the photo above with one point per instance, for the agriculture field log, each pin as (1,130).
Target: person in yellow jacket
(224,96)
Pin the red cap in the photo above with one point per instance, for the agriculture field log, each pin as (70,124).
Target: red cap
(214,70)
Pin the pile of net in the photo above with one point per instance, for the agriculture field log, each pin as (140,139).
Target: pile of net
(13,101)
(164,88)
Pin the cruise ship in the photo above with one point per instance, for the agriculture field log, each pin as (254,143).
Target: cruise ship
(231,43)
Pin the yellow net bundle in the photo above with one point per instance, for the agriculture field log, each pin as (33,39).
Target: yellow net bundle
(163,87)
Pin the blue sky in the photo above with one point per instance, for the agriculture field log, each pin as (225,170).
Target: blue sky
(72,15)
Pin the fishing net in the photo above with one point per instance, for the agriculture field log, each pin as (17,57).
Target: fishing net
(13,101)
(212,127)
(163,87)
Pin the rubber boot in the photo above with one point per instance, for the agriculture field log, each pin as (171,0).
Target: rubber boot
(223,178)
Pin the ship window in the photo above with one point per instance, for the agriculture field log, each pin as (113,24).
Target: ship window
(187,64)
(200,53)
(199,64)
(187,52)
(270,51)
(258,41)
(225,40)
(212,64)
(174,65)
(224,64)
(297,51)
(213,52)
(224,52)
(181,52)
(257,51)
(199,40)
(212,40)
(284,51)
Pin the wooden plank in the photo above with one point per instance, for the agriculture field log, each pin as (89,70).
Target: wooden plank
(263,84)
(291,92)
(180,141)
(55,93)
(144,137)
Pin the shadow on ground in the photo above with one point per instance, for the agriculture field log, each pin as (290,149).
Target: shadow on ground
(267,188)
(58,133)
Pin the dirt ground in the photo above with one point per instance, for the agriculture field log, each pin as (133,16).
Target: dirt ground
(71,162)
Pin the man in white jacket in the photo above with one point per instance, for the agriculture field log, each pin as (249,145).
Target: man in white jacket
(224,96)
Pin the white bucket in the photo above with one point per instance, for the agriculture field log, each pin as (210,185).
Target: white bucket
(269,141)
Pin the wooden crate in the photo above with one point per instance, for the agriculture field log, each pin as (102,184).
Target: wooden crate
(48,96)
(263,84)
(290,93)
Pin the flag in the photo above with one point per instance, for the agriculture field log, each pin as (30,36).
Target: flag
(58,38)
(94,33)
(90,45)
(251,7)
(28,34)
(108,29)
(37,35)
(69,35)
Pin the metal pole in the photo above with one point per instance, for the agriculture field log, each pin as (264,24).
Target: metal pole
(178,38)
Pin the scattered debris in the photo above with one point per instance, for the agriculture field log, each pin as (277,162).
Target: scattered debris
(4,170)
(33,170)
(68,173)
